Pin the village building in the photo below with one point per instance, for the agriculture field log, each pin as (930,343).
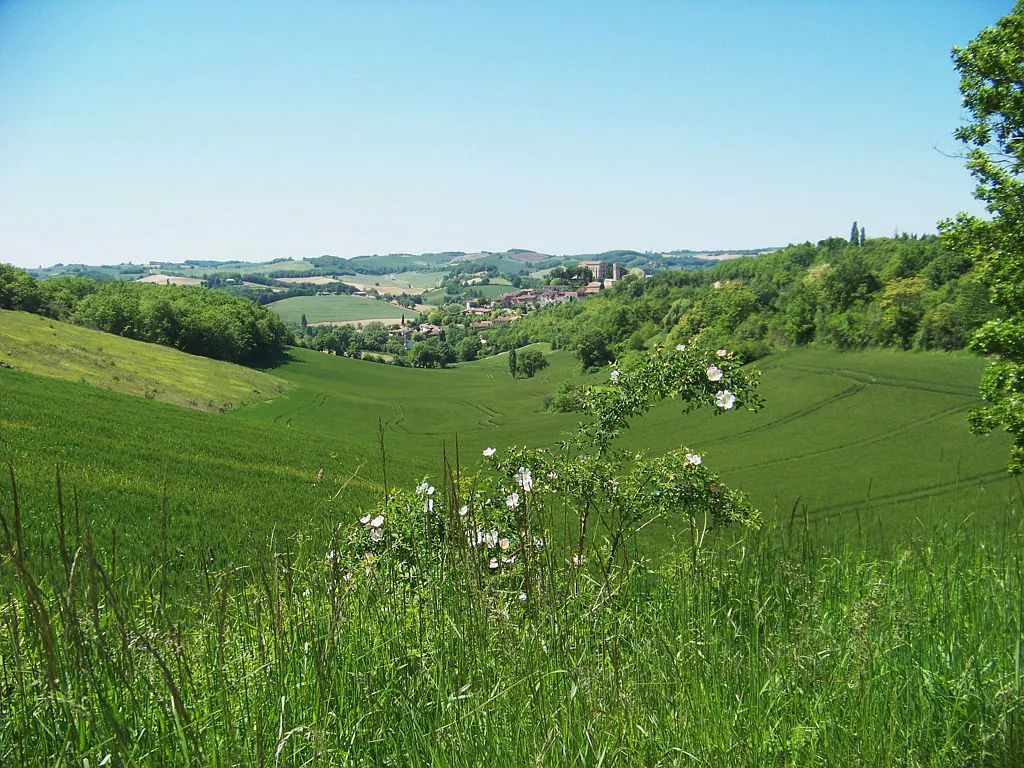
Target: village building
(506,319)
(594,267)
(548,294)
(618,271)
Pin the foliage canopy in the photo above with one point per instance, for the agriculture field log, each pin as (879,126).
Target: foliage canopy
(992,85)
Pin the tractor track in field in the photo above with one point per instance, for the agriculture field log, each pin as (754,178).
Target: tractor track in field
(859,443)
(397,420)
(887,380)
(490,420)
(490,414)
(797,415)
(905,497)
(862,381)
(317,401)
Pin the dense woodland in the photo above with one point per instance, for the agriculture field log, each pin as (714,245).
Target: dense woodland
(907,292)
(195,320)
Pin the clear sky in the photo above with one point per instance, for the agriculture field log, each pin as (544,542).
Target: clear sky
(137,130)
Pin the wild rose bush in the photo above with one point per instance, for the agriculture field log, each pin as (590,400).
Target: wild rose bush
(497,519)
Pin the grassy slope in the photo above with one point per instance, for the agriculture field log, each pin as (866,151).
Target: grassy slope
(878,433)
(492,291)
(407,280)
(229,481)
(870,435)
(420,409)
(39,345)
(335,308)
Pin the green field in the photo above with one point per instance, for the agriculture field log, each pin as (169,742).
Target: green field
(218,627)
(397,283)
(875,439)
(492,291)
(406,280)
(340,308)
(39,345)
(230,483)
(421,409)
(436,297)
(399,261)
(878,434)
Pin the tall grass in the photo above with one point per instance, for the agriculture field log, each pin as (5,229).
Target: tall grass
(761,649)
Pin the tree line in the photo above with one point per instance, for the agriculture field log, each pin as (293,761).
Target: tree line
(195,320)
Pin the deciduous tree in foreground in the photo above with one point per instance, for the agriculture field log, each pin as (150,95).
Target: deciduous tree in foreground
(992,85)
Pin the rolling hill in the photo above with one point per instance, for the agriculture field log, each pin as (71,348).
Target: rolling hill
(874,439)
(39,345)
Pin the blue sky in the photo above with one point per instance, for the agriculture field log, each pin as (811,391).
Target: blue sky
(142,130)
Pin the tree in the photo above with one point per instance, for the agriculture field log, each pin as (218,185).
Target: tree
(468,348)
(862,235)
(446,354)
(592,349)
(425,355)
(902,305)
(530,362)
(374,337)
(854,234)
(18,290)
(991,71)
(513,367)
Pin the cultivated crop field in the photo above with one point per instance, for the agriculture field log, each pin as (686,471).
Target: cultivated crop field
(491,291)
(230,484)
(874,440)
(340,308)
(399,282)
(877,435)
(314,280)
(421,409)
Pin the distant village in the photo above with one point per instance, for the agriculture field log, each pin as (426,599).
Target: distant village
(510,307)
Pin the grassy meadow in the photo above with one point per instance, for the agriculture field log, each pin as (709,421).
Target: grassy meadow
(875,438)
(869,441)
(340,308)
(38,345)
(178,599)
(231,486)
(880,434)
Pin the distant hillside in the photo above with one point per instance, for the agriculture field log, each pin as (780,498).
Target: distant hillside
(511,261)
